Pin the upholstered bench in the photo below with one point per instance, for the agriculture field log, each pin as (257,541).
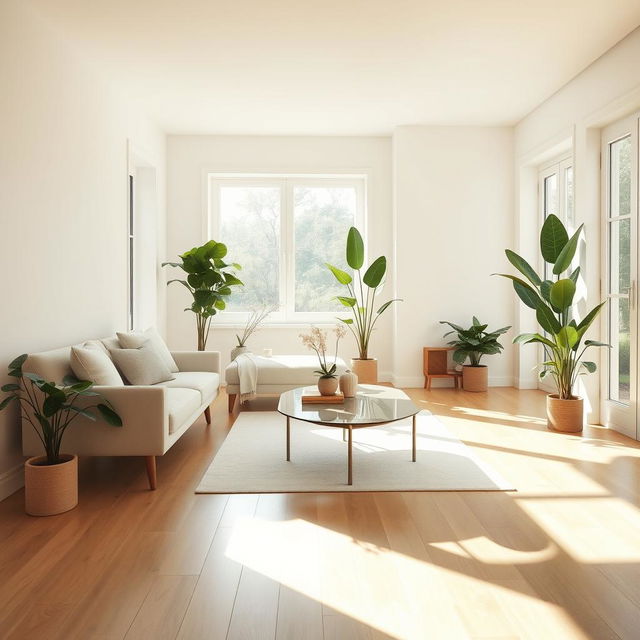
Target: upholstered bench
(278,374)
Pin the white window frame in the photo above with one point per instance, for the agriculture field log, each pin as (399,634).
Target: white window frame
(557,167)
(287,315)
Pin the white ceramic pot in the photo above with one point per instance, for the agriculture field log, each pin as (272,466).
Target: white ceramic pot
(348,384)
(236,351)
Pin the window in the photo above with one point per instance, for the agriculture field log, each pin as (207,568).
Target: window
(282,230)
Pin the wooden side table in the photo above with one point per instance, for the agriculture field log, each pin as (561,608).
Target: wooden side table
(435,366)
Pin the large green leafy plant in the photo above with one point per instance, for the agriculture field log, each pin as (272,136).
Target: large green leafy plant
(209,281)
(51,408)
(362,291)
(552,300)
(474,342)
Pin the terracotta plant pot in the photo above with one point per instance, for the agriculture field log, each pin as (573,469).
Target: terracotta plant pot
(366,370)
(475,378)
(565,415)
(327,386)
(50,489)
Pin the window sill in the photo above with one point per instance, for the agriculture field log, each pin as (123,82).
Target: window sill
(275,325)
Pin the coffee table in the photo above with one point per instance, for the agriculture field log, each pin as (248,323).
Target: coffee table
(373,405)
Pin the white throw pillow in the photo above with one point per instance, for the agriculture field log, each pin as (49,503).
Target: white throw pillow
(135,339)
(90,362)
(141,365)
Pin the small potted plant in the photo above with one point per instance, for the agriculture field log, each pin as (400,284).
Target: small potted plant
(473,343)
(209,281)
(255,319)
(316,340)
(362,290)
(552,300)
(51,481)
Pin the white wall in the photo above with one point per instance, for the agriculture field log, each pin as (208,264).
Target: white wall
(453,208)
(572,118)
(63,201)
(188,159)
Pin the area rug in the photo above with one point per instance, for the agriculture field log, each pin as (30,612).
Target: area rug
(252,459)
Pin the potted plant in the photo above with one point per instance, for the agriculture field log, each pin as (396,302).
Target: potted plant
(362,290)
(316,340)
(255,319)
(209,281)
(51,481)
(552,300)
(473,343)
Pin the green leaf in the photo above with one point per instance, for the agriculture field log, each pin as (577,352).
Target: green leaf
(347,302)
(341,276)
(231,280)
(220,305)
(15,373)
(545,290)
(182,282)
(12,386)
(374,274)
(589,366)
(525,292)
(547,319)
(79,387)
(596,343)
(69,380)
(387,304)
(562,293)
(19,361)
(567,337)
(575,274)
(171,264)
(109,415)
(460,356)
(83,412)
(346,320)
(523,267)
(355,249)
(53,404)
(45,425)
(563,261)
(6,401)
(527,338)
(34,378)
(553,238)
(589,318)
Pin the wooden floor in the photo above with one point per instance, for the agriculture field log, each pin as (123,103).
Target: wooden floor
(559,559)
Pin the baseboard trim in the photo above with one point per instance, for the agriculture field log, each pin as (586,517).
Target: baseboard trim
(417,382)
(11,481)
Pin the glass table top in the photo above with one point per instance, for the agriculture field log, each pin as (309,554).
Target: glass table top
(373,404)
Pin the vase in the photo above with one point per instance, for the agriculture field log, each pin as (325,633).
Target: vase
(565,414)
(475,378)
(348,384)
(366,370)
(327,386)
(236,351)
(50,488)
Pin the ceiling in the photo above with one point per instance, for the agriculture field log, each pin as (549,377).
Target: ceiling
(340,67)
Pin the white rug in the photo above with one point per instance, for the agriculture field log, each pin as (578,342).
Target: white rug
(252,459)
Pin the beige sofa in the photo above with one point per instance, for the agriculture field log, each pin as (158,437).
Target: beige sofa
(154,417)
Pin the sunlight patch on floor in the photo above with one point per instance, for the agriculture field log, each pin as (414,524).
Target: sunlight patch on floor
(390,591)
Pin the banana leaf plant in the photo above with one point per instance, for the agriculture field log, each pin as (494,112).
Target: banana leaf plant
(209,281)
(474,342)
(51,408)
(362,290)
(552,300)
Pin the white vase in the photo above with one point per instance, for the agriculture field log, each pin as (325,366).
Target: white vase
(236,351)
(348,384)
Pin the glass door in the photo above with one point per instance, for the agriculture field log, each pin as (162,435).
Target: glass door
(620,266)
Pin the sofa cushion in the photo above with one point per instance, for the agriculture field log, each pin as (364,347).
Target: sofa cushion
(90,362)
(135,339)
(283,370)
(141,366)
(181,403)
(204,382)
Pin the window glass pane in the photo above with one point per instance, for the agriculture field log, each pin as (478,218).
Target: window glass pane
(620,177)
(322,217)
(551,195)
(620,255)
(250,227)
(568,197)
(619,356)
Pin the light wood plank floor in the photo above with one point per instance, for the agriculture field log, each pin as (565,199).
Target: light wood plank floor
(559,559)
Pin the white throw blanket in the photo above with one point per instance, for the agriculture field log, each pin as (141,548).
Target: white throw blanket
(248,376)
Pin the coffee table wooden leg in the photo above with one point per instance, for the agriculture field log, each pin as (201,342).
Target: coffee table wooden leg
(413,437)
(350,475)
(288,439)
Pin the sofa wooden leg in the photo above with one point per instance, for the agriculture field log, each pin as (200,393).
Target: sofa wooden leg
(151,471)
(232,401)
(207,415)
